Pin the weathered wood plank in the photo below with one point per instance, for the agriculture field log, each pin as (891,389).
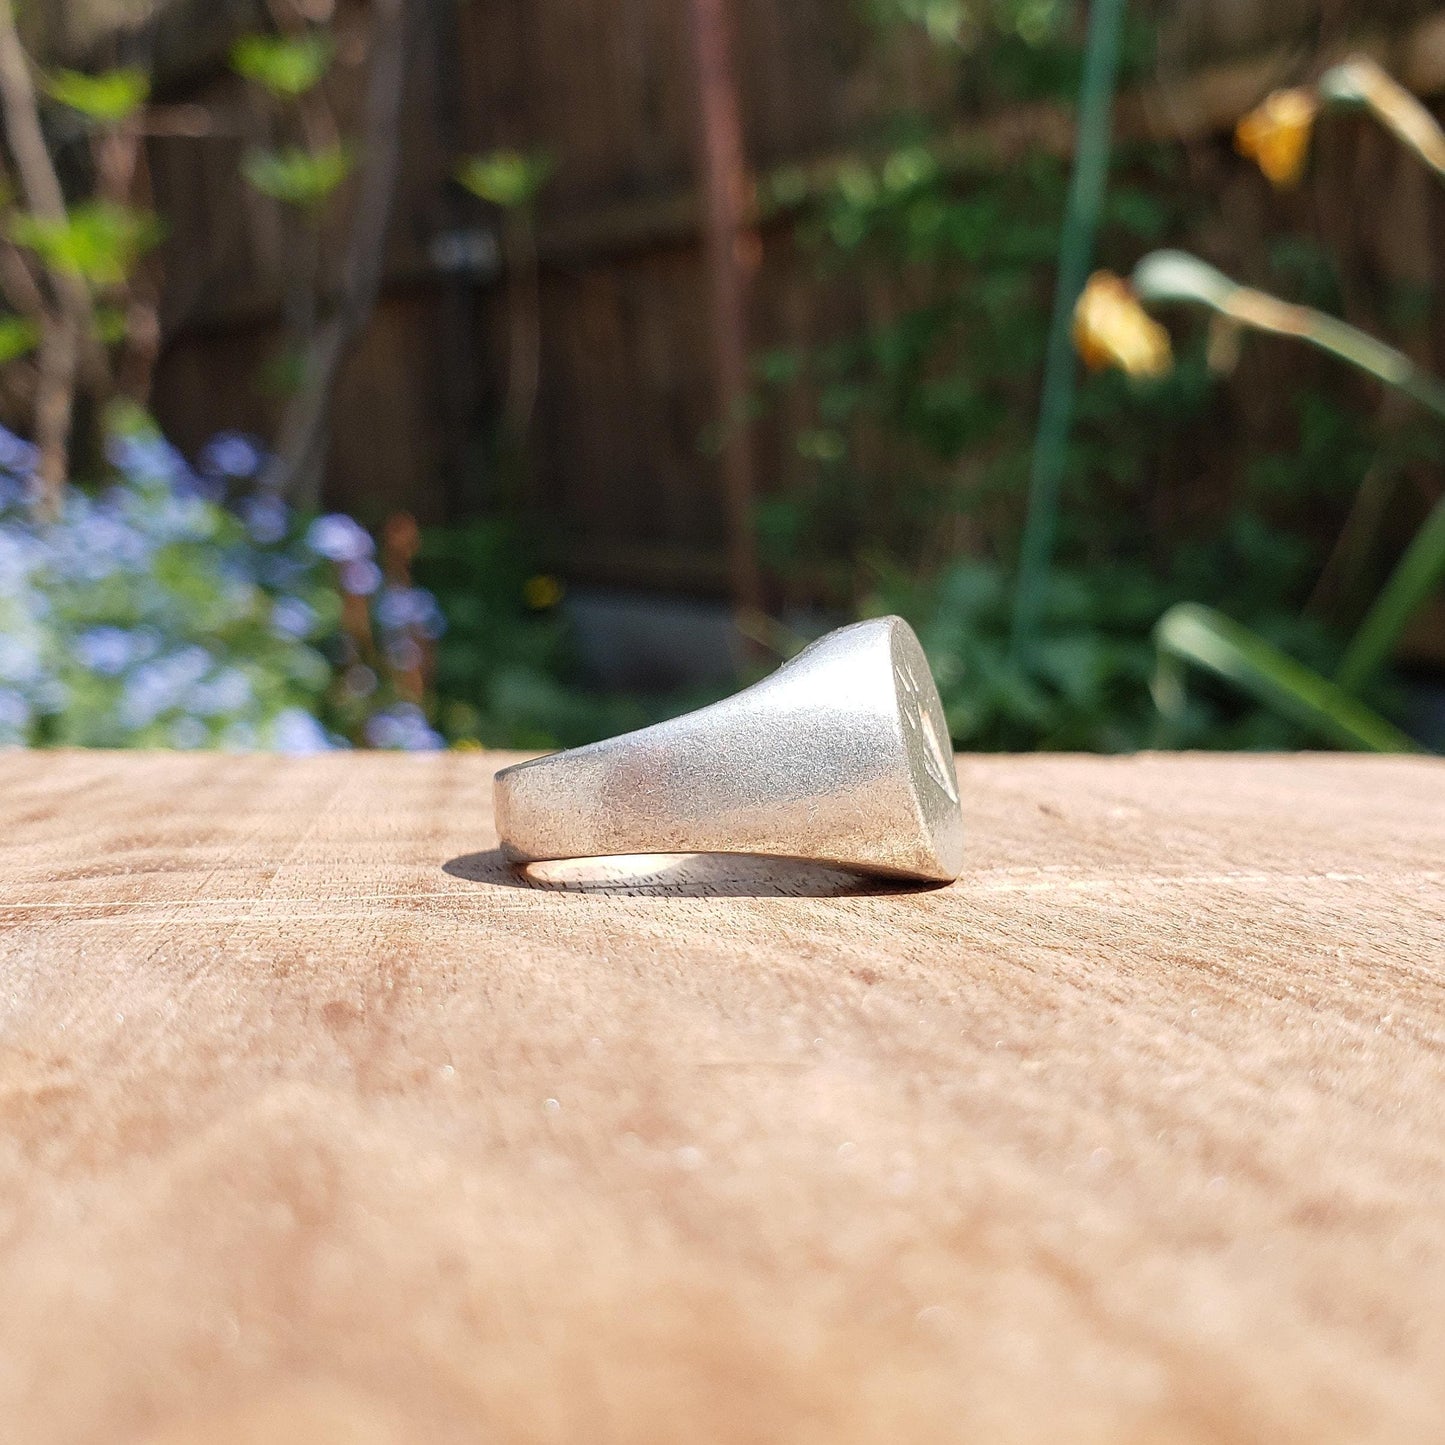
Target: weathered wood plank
(316,1126)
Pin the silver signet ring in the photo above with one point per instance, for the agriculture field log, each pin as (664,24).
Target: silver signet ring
(841,756)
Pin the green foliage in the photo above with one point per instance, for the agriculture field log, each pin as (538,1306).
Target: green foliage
(506,178)
(286,65)
(19,336)
(910,460)
(1009,50)
(920,422)
(99,242)
(106,99)
(505,675)
(299,177)
(1230,650)
(1082,687)
(1204,638)
(1086,681)
(110,324)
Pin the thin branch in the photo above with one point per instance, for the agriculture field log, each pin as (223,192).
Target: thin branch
(123,173)
(41,184)
(59,358)
(69,337)
(17,280)
(58,362)
(294,470)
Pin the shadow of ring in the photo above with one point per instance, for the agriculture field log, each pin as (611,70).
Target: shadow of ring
(678,875)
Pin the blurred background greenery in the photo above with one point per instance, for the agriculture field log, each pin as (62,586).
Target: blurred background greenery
(409,373)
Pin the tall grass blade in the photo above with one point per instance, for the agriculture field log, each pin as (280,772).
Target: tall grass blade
(1076,249)
(1419,572)
(1203,638)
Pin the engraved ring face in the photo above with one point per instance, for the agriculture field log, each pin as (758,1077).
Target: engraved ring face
(922,717)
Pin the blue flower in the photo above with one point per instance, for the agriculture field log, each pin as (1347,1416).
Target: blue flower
(148,457)
(409,608)
(402,726)
(14,718)
(292,617)
(360,578)
(106,650)
(228,691)
(19,554)
(173,516)
(17,456)
(231,454)
(161,686)
(97,542)
(339,539)
(12,492)
(189,732)
(403,654)
(20,660)
(265,519)
(147,695)
(205,627)
(295,731)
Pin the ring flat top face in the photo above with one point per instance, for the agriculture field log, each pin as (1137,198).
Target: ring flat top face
(841,756)
(929,748)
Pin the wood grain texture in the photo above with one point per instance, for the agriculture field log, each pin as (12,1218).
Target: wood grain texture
(318,1126)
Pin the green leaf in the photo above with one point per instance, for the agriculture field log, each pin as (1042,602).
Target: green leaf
(18,335)
(1417,575)
(110,324)
(286,65)
(1361,82)
(1178,276)
(821,445)
(1189,634)
(108,98)
(284,372)
(97,241)
(505,178)
(297,176)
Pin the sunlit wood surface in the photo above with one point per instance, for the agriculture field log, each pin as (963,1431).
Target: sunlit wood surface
(317,1125)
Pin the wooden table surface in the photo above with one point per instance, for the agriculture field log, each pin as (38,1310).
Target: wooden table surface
(318,1126)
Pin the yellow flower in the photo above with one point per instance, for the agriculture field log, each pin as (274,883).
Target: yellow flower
(1276,135)
(540,593)
(1111,328)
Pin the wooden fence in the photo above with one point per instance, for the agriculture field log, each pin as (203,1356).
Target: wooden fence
(624,387)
